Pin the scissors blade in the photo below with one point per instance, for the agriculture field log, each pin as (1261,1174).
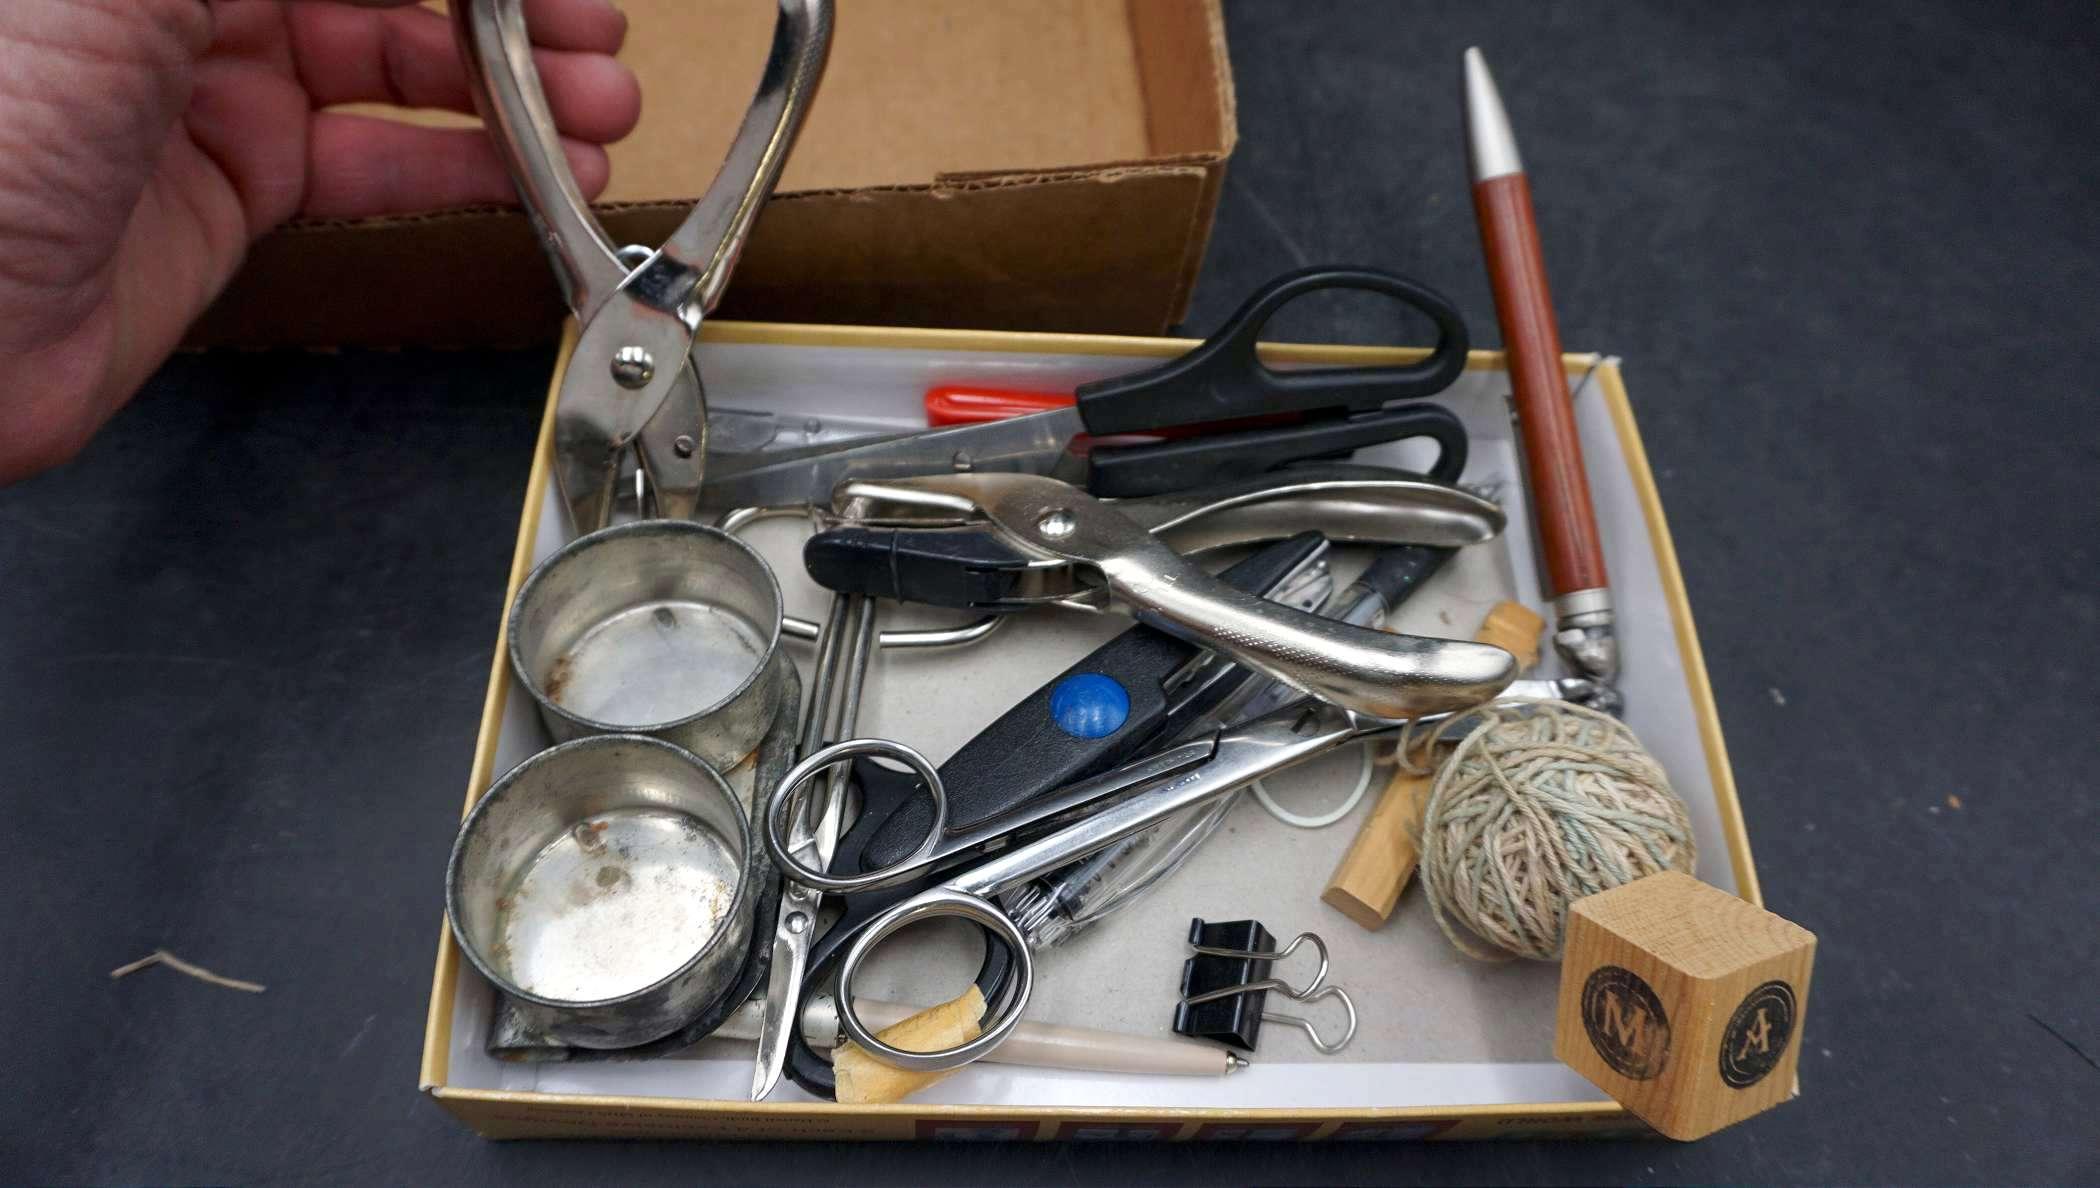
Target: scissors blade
(791,941)
(848,638)
(1033,444)
(792,938)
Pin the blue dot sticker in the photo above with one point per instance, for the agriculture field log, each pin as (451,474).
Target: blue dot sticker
(1089,705)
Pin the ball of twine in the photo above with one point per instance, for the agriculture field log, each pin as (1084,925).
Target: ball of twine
(1540,805)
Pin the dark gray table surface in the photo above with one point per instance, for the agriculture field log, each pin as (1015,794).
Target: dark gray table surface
(1851,256)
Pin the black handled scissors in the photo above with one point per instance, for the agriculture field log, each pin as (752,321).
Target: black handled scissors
(1220,382)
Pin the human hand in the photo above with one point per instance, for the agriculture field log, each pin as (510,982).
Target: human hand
(144,144)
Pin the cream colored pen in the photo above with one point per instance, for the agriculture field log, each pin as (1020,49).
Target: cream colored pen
(1040,1045)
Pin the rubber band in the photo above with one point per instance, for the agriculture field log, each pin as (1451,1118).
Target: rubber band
(1348,805)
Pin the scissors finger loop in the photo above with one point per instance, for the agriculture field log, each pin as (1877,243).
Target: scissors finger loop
(1001,1016)
(780,805)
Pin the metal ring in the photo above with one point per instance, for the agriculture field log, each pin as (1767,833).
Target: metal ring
(1003,1016)
(734,522)
(782,800)
(918,637)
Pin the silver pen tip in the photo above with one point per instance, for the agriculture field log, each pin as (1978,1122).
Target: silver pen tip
(1491,148)
(1234,1063)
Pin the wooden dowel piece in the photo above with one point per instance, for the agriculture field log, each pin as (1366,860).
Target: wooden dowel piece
(1514,628)
(1367,883)
(862,1079)
(1381,860)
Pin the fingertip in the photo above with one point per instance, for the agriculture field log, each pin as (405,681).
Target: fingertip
(592,97)
(590,25)
(625,101)
(589,164)
(611,103)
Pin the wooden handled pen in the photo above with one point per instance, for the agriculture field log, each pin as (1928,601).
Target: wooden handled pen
(1560,488)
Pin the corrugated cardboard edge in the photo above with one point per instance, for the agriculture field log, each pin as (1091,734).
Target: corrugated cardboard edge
(1225,103)
(470,276)
(505,1114)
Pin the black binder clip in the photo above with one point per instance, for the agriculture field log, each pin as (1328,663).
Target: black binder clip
(1225,986)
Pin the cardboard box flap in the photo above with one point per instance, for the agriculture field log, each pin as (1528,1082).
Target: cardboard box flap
(915,89)
(1030,164)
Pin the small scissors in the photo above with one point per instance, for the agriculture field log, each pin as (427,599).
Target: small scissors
(632,374)
(1094,813)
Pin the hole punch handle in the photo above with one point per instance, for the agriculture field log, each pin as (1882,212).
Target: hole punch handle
(498,51)
(1224,378)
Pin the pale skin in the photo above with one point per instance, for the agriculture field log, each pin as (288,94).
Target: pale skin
(144,144)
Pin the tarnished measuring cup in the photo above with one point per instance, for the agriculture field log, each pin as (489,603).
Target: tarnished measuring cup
(661,627)
(603,884)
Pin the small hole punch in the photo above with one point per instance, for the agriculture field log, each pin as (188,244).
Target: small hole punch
(1225,986)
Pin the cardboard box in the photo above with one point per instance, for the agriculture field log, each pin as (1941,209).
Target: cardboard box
(1448,1049)
(1024,164)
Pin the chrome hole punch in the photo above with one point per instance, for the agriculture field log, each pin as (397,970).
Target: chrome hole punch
(1117,563)
(914,553)
(631,380)
(1225,986)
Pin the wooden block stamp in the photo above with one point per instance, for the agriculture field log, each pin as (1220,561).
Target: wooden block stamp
(1683,1002)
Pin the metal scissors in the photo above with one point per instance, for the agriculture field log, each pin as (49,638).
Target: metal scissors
(632,375)
(1084,817)
(1297,415)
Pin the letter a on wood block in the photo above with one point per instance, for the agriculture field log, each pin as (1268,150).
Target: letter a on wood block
(1683,1002)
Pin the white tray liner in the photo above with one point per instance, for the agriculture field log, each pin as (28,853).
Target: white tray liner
(1437,1028)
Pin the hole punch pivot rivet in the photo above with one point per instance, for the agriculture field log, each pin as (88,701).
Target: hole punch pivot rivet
(1057,524)
(633,367)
